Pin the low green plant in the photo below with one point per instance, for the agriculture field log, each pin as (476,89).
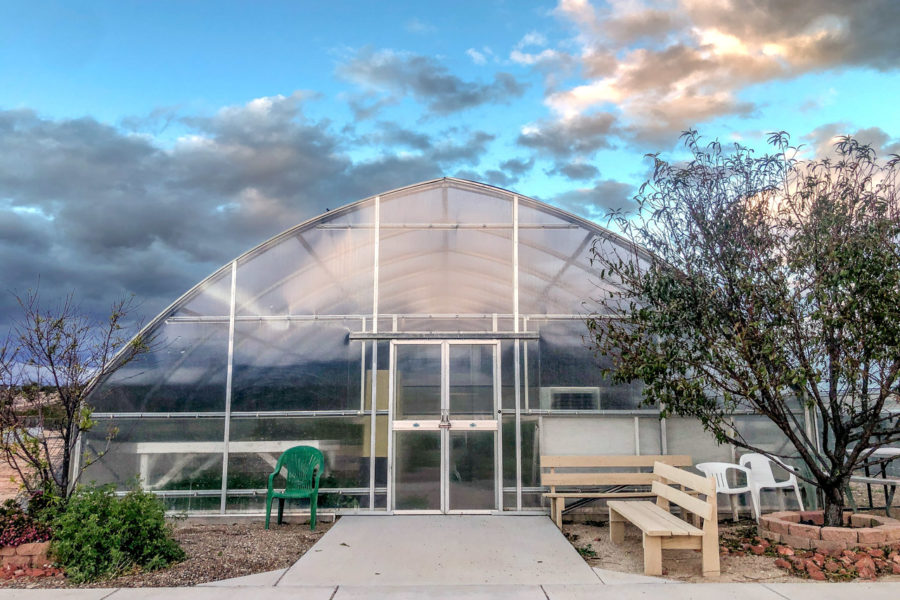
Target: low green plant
(587,552)
(100,535)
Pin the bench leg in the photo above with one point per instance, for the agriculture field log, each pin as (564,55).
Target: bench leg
(560,507)
(616,527)
(653,555)
(709,549)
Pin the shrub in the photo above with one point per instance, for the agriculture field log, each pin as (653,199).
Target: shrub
(18,527)
(100,535)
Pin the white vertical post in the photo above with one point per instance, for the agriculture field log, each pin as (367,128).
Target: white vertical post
(637,436)
(374,422)
(228,376)
(517,371)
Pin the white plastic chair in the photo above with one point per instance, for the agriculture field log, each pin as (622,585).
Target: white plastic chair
(761,477)
(719,470)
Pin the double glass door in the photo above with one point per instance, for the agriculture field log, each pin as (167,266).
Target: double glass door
(445,449)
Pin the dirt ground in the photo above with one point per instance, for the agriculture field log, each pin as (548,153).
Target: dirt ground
(214,552)
(683,565)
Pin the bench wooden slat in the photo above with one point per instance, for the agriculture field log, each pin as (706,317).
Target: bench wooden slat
(600,495)
(625,460)
(594,479)
(682,499)
(637,514)
(685,478)
(653,520)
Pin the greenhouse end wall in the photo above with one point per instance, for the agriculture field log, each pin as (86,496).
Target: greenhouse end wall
(430,341)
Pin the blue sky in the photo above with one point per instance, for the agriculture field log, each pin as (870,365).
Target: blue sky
(143,144)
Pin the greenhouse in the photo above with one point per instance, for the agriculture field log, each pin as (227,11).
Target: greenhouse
(428,340)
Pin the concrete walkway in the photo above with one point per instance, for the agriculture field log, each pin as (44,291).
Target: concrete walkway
(633,591)
(440,550)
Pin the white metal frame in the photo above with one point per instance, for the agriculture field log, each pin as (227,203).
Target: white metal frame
(435,425)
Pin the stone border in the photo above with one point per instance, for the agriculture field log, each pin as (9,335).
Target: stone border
(25,555)
(865,530)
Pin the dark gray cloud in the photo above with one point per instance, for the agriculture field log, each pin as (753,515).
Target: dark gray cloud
(102,210)
(575,170)
(595,202)
(517,166)
(581,134)
(400,74)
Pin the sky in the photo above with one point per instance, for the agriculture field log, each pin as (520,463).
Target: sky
(145,144)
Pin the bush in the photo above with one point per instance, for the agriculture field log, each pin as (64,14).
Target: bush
(100,535)
(18,527)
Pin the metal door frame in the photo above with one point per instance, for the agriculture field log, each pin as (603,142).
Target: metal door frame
(445,426)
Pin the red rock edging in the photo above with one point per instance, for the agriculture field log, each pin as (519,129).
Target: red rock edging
(865,530)
(25,556)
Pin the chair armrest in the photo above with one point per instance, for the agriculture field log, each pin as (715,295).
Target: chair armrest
(272,481)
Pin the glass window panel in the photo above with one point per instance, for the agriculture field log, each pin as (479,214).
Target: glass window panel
(461,271)
(570,377)
(471,381)
(185,372)
(296,365)
(164,454)
(508,375)
(321,270)
(531,452)
(418,381)
(213,299)
(339,438)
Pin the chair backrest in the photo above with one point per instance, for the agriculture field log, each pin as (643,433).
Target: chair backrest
(761,469)
(304,467)
(719,471)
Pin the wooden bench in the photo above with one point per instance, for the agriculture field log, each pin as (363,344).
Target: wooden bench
(661,529)
(580,477)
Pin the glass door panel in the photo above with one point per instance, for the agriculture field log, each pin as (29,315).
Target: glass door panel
(417,470)
(445,443)
(471,381)
(472,478)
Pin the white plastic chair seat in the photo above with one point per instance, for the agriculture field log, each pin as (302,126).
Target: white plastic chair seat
(761,477)
(719,470)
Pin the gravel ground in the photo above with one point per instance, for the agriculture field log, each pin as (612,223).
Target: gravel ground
(592,541)
(214,552)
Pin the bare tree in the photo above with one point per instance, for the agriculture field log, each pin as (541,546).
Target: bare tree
(766,283)
(48,363)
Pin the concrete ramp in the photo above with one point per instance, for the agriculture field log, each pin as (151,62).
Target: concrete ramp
(440,550)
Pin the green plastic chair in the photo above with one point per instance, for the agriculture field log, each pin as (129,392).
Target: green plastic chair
(304,467)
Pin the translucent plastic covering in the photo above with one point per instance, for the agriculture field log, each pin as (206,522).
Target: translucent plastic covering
(290,343)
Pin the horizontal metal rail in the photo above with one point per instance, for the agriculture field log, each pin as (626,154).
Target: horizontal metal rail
(444,335)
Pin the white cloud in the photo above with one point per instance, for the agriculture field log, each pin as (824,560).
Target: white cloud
(477,57)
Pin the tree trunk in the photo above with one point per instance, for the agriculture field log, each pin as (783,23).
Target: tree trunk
(834,503)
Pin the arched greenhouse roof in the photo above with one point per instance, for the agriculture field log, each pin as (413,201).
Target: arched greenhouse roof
(444,247)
